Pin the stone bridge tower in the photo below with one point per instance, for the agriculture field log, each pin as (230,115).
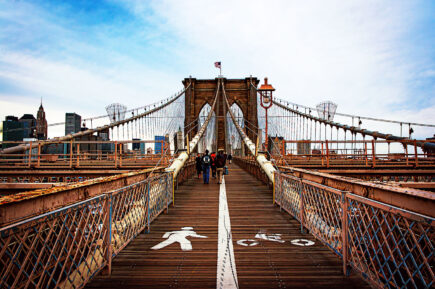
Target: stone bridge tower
(202,91)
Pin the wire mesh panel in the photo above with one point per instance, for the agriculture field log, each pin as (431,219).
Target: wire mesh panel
(64,248)
(67,247)
(129,214)
(389,246)
(392,247)
(288,191)
(323,214)
(159,194)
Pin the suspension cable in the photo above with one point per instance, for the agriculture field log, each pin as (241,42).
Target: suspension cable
(24,147)
(179,162)
(266,165)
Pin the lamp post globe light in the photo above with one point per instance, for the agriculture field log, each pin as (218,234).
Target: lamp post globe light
(266,99)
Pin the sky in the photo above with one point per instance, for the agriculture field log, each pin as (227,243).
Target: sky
(372,58)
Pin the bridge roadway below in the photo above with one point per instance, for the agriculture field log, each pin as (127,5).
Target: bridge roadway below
(269,264)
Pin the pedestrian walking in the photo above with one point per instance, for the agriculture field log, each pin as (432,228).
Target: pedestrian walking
(220,164)
(206,161)
(230,158)
(198,165)
(213,164)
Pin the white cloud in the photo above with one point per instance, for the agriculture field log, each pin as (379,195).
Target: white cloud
(349,52)
(75,88)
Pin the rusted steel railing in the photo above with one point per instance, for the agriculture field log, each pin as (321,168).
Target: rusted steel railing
(251,165)
(389,246)
(351,153)
(186,172)
(88,154)
(65,248)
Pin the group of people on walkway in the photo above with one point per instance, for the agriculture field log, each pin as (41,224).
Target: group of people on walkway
(213,161)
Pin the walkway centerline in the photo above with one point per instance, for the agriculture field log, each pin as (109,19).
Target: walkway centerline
(226,276)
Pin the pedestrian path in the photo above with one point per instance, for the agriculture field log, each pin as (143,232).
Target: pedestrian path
(226,236)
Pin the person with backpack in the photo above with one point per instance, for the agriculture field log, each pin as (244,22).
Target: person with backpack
(220,164)
(198,161)
(213,164)
(206,161)
(230,157)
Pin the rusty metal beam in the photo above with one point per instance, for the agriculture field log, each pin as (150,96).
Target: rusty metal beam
(28,186)
(415,200)
(415,185)
(43,172)
(359,171)
(27,204)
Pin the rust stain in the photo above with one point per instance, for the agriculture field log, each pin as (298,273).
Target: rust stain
(44,192)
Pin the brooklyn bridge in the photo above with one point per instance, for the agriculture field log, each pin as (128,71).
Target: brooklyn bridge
(306,201)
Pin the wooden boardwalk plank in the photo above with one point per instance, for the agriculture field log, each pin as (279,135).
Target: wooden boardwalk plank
(272,264)
(266,265)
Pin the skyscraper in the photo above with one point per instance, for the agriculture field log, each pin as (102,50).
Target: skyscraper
(41,124)
(72,123)
(28,122)
(12,131)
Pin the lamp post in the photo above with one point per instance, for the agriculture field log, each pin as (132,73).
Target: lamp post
(266,91)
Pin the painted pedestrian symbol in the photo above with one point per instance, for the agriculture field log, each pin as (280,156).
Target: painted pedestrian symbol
(270,237)
(302,242)
(180,237)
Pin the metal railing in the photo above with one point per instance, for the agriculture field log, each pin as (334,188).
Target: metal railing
(251,165)
(389,246)
(366,153)
(186,172)
(88,154)
(65,248)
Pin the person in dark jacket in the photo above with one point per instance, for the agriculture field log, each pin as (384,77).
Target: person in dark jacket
(229,158)
(220,164)
(198,165)
(206,161)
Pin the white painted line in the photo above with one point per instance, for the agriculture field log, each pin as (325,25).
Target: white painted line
(226,276)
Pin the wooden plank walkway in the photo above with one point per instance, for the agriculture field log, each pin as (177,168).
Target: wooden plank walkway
(268,264)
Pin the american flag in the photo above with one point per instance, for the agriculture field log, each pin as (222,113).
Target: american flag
(217,64)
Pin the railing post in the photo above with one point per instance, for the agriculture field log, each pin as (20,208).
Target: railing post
(78,155)
(365,152)
(344,231)
(273,188)
(327,153)
(30,155)
(173,188)
(302,207)
(373,153)
(415,153)
(108,241)
(116,154)
(283,148)
(167,194)
(71,148)
(322,155)
(406,152)
(120,154)
(39,155)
